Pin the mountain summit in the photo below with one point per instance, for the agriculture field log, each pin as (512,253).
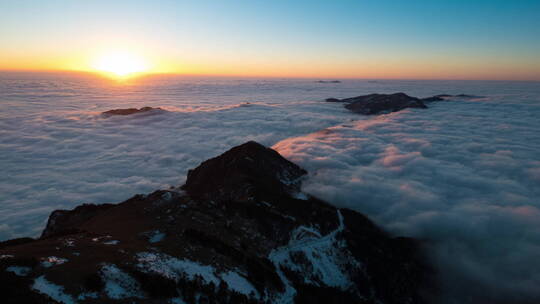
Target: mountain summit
(238,231)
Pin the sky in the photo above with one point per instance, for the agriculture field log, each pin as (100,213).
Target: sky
(414,39)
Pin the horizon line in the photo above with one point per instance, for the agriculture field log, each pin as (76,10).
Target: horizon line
(150,74)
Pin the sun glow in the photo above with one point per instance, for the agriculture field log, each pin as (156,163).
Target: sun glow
(120,64)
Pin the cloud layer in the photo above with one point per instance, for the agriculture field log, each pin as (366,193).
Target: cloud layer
(462,175)
(57,151)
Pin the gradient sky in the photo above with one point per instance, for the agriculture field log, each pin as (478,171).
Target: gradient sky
(475,39)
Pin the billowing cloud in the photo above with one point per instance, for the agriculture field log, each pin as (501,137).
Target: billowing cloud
(451,176)
(60,152)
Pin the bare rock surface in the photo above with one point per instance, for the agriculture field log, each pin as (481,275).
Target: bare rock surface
(131,111)
(245,172)
(382,103)
(387,103)
(328,81)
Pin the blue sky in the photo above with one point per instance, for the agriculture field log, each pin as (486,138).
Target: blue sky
(454,37)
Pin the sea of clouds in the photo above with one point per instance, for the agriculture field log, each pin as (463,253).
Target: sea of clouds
(464,175)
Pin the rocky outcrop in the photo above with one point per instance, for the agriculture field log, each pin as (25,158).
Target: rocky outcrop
(382,103)
(434,98)
(66,221)
(442,97)
(466,96)
(248,171)
(130,111)
(387,103)
(239,231)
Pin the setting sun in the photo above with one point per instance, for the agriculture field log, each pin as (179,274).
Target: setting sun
(120,64)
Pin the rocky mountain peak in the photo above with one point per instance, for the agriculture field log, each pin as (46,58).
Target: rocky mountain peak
(372,104)
(248,171)
(266,244)
(131,111)
(378,103)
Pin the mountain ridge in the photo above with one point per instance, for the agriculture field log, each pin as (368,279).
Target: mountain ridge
(239,231)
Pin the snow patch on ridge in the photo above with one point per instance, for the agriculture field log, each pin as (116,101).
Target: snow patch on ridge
(175,269)
(21,271)
(52,290)
(239,284)
(319,259)
(156,236)
(118,284)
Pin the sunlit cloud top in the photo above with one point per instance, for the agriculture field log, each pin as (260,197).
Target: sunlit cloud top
(484,39)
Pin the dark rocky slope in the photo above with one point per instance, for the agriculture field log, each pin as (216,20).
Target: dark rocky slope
(378,103)
(131,111)
(239,231)
(387,103)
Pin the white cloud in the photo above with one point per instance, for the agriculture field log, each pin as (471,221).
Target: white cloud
(449,175)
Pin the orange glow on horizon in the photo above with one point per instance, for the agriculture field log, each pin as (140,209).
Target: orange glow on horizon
(130,62)
(121,40)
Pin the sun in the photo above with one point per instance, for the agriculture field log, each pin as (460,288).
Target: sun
(120,64)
